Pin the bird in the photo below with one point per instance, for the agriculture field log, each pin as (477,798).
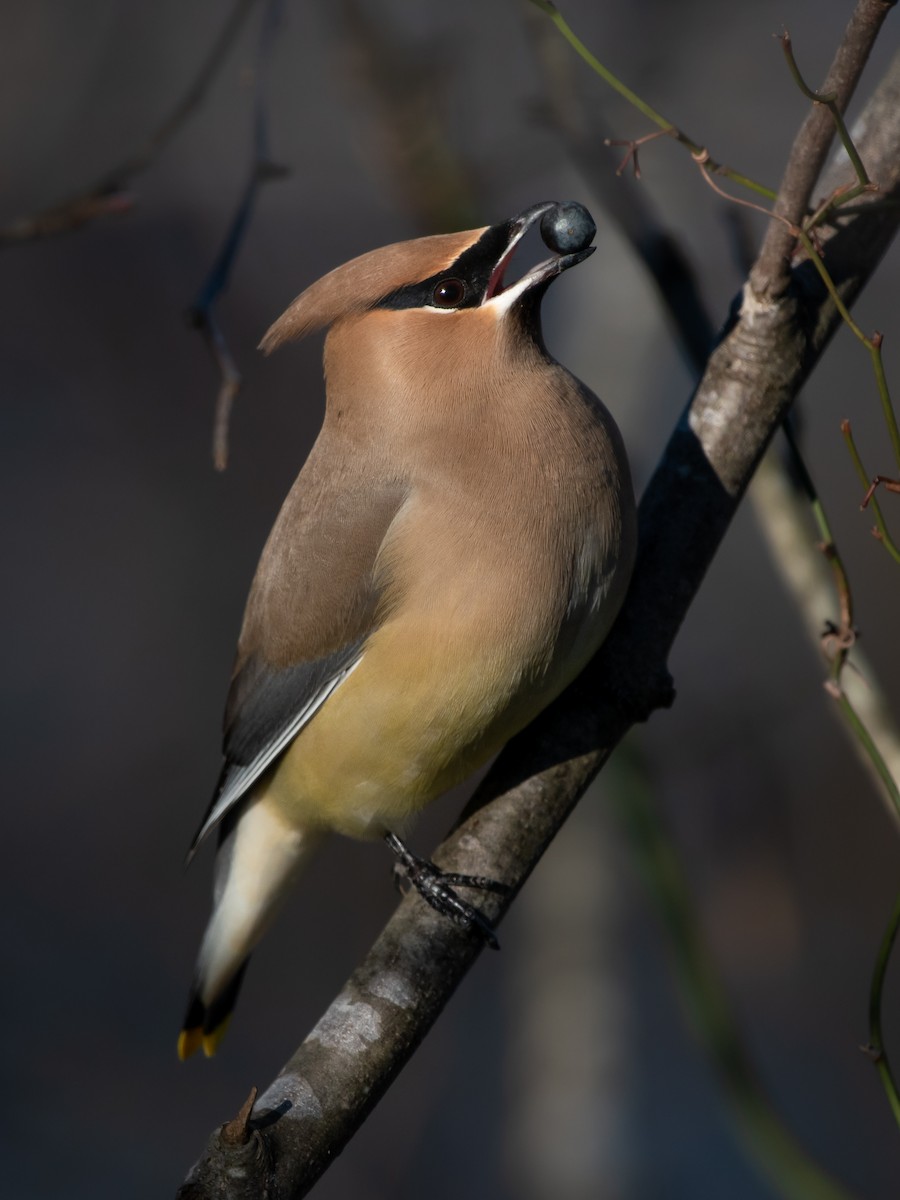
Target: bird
(453,552)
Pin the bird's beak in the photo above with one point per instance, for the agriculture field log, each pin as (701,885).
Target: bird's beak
(544,271)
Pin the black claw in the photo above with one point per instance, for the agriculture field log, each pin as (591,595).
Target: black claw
(436,889)
(481,882)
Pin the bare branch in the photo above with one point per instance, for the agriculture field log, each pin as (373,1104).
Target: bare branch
(202,312)
(108,196)
(229,386)
(338,1074)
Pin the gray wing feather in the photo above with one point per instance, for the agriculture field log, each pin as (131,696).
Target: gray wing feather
(237,778)
(313,604)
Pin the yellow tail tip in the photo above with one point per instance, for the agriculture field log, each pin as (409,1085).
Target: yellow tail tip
(189,1041)
(211,1040)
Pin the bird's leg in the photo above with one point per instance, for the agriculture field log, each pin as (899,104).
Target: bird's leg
(436,888)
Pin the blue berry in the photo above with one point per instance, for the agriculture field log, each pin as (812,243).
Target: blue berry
(568,227)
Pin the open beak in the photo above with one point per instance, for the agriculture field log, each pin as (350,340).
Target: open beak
(544,271)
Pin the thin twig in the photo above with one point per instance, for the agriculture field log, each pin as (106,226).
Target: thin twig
(845,632)
(782,514)
(703,163)
(771,271)
(642,106)
(632,146)
(830,102)
(889,485)
(874,342)
(838,641)
(874,345)
(201,313)
(630,207)
(880,530)
(875,1049)
(865,739)
(833,204)
(109,195)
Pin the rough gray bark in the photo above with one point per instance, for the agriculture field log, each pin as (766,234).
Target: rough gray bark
(775,336)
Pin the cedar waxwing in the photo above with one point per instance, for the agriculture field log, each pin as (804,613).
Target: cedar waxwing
(453,552)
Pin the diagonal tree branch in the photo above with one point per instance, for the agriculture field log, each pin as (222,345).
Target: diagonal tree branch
(775,337)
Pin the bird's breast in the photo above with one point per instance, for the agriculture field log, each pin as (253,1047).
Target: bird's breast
(483,625)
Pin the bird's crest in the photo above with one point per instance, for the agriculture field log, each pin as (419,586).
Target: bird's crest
(359,284)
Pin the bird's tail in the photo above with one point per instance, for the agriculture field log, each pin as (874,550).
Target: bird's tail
(258,859)
(205,1024)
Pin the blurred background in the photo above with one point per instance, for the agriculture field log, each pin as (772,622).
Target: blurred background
(564,1067)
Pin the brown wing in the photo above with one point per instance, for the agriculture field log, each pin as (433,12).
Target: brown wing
(313,603)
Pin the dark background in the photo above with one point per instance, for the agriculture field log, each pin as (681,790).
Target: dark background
(563,1067)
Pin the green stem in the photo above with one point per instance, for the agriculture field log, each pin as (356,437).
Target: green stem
(887,407)
(816,260)
(792,1173)
(828,548)
(830,102)
(876,1041)
(869,748)
(872,344)
(880,525)
(836,200)
(874,754)
(699,152)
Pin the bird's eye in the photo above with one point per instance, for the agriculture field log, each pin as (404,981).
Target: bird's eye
(449,293)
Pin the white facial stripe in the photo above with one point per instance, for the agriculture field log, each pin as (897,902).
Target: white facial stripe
(507,255)
(503,303)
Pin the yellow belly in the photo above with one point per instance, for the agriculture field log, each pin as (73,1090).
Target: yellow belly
(417,716)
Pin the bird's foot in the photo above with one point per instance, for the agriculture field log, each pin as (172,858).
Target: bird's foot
(436,888)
